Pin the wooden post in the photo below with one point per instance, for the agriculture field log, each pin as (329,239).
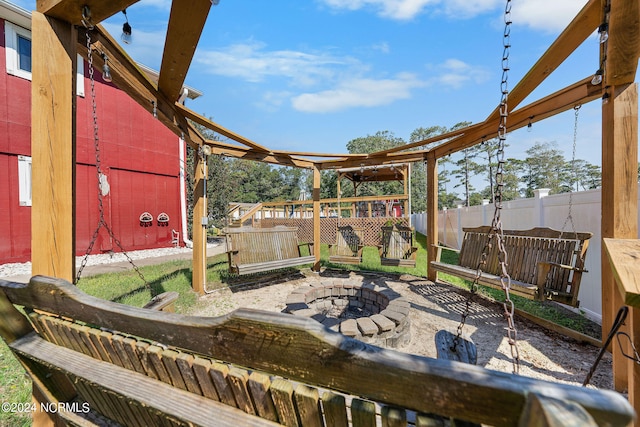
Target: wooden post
(405,175)
(53,151)
(619,216)
(316,217)
(432,214)
(199,267)
(53,148)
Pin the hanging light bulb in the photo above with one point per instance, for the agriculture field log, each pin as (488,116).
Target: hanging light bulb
(529,125)
(603,31)
(126,30)
(605,98)
(597,77)
(106,70)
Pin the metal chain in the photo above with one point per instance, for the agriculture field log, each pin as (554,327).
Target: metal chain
(574,174)
(99,174)
(496,225)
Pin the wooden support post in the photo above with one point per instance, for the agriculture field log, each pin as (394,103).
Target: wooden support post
(619,216)
(405,174)
(432,214)
(316,217)
(199,267)
(53,148)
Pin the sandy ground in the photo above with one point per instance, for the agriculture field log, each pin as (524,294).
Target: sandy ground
(543,354)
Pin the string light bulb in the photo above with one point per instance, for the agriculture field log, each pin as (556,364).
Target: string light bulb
(603,31)
(597,77)
(106,70)
(605,98)
(126,29)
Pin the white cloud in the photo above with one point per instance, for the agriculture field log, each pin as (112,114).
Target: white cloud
(546,15)
(358,93)
(382,47)
(393,9)
(250,61)
(454,73)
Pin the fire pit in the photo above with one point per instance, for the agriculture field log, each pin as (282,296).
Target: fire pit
(368,312)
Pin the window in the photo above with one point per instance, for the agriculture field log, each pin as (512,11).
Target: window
(24,180)
(18,51)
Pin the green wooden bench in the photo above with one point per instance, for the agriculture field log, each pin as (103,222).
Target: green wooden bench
(543,263)
(264,249)
(105,362)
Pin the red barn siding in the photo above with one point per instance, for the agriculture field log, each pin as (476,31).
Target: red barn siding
(138,155)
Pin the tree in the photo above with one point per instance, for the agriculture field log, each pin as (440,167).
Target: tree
(543,168)
(418,172)
(219,189)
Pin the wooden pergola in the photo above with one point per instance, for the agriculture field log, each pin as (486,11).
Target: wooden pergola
(58,34)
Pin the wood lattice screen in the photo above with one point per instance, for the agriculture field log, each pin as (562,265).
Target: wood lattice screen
(372,227)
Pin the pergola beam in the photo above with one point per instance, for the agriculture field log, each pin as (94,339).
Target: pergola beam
(209,124)
(71,10)
(186,23)
(129,78)
(567,42)
(623,45)
(563,100)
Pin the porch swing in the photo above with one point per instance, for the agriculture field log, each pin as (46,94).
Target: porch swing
(544,264)
(159,301)
(349,240)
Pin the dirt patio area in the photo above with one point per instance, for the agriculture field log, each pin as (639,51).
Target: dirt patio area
(544,354)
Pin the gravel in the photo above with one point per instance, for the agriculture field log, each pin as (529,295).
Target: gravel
(24,268)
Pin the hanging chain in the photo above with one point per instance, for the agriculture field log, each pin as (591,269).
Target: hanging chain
(496,225)
(100,176)
(574,173)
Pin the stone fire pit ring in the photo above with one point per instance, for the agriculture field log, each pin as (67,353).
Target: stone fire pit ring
(367,312)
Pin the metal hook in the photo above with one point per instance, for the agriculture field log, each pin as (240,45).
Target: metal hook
(86,17)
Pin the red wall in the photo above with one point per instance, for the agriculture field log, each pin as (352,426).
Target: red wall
(138,155)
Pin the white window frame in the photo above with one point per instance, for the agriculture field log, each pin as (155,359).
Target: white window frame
(24,180)
(11,33)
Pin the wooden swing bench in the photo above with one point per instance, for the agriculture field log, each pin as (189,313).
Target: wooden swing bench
(265,249)
(397,247)
(543,263)
(348,247)
(104,362)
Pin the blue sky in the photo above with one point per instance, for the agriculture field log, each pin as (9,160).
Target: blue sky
(313,75)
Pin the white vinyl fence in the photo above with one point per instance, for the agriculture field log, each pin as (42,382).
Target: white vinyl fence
(543,210)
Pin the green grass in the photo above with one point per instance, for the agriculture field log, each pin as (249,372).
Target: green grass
(15,387)
(127,288)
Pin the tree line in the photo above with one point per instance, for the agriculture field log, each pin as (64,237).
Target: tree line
(244,181)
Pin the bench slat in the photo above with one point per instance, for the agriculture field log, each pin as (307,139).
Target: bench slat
(133,386)
(335,409)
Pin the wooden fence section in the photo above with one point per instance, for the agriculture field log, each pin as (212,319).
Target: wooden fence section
(372,227)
